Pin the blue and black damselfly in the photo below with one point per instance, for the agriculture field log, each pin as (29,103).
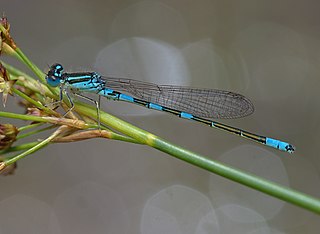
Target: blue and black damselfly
(185,102)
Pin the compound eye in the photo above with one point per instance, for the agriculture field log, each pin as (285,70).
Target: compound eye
(57,69)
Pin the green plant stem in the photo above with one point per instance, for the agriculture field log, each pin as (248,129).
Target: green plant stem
(33,84)
(34,148)
(35,103)
(27,127)
(68,122)
(16,72)
(21,136)
(19,147)
(53,120)
(119,137)
(90,134)
(22,117)
(40,74)
(239,176)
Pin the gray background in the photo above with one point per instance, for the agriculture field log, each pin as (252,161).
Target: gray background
(267,50)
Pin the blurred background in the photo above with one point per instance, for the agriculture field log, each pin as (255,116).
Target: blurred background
(268,51)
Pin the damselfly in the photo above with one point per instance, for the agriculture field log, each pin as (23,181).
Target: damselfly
(185,102)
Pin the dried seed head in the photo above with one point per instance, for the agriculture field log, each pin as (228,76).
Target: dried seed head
(4,22)
(5,37)
(8,135)
(5,84)
(7,169)
(35,112)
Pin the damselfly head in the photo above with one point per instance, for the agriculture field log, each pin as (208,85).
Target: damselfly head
(54,75)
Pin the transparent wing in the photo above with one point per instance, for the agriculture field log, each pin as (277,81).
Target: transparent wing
(209,103)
